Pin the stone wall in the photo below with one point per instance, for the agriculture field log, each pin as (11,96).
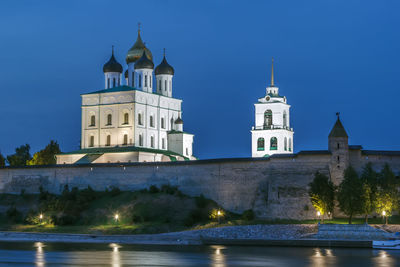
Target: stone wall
(274,187)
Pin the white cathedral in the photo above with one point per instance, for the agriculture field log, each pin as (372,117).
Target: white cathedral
(136,122)
(272,133)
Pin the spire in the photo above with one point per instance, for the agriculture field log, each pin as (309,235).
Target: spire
(272,73)
(139,24)
(338,129)
(112,50)
(164,52)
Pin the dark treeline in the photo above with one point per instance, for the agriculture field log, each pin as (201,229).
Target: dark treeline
(22,156)
(365,194)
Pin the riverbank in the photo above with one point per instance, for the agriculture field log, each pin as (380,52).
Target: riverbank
(268,235)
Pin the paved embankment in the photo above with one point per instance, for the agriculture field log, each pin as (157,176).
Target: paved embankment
(259,235)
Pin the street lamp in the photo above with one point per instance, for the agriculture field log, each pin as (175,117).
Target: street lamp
(319,215)
(40,217)
(384,216)
(116,217)
(219,213)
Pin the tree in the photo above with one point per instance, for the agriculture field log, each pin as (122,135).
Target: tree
(350,194)
(2,160)
(21,156)
(46,156)
(322,194)
(388,194)
(369,179)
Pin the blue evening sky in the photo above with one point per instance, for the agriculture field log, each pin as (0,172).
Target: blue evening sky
(330,56)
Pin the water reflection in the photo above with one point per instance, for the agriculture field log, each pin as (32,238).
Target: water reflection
(322,257)
(383,259)
(39,257)
(218,258)
(115,255)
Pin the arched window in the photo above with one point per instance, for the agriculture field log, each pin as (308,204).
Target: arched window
(113,82)
(92,120)
(126,118)
(150,80)
(152,141)
(284,119)
(163,143)
(108,141)
(290,144)
(109,119)
(151,121)
(260,144)
(274,144)
(159,89)
(140,140)
(172,123)
(145,80)
(187,151)
(162,123)
(133,79)
(165,85)
(140,80)
(125,139)
(170,86)
(140,121)
(91,141)
(267,119)
(108,82)
(285,144)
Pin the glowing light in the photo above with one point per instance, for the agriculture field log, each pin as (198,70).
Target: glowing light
(219,213)
(318,213)
(41,216)
(383,213)
(116,217)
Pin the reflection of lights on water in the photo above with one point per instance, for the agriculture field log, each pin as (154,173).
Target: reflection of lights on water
(115,255)
(329,252)
(218,258)
(40,260)
(322,257)
(383,254)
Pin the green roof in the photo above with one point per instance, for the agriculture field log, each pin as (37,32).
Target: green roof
(121,88)
(338,130)
(120,149)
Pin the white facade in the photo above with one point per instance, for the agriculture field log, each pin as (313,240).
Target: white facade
(133,122)
(272,133)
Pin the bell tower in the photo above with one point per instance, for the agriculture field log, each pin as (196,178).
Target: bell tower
(271,133)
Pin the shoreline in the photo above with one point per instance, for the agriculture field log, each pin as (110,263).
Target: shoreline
(256,235)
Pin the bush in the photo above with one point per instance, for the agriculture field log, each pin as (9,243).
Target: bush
(201,201)
(115,191)
(13,215)
(169,189)
(153,189)
(248,215)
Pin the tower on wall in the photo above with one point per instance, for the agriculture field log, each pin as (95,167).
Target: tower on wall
(271,133)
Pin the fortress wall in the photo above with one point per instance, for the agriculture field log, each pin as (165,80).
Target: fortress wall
(359,160)
(273,188)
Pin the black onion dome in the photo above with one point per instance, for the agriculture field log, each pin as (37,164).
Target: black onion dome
(144,62)
(136,51)
(112,65)
(126,74)
(179,121)
(164,68)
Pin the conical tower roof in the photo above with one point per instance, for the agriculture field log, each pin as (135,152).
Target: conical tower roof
(338,129)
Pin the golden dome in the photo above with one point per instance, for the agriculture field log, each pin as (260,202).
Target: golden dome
(136,51)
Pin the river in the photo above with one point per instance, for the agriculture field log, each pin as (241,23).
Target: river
(69,254)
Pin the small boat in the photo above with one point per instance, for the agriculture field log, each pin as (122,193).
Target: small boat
(387,244)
